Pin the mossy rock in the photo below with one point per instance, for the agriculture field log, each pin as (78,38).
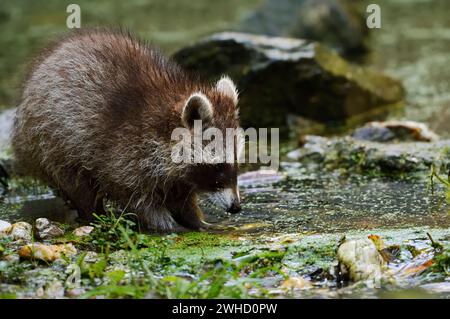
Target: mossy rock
(282,76)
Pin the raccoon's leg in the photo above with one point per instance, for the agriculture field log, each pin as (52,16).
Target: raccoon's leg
(82,192)
(157,219)
(185,211)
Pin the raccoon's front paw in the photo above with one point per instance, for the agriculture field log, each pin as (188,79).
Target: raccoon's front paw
(215,227)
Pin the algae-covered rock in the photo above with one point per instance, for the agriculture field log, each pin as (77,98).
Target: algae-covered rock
(282,76)
(349,153)
(360,260)
(338,23)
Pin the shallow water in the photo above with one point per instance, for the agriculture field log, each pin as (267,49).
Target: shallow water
(312,201)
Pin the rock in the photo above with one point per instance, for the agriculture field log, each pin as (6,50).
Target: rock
(6,159)
(296,283)
(349,153)
(83,231)
(359,260)
(11,258)
(47,253)
(388,131)
(314,149)
(279,77)
(54,290)
(259,177)
(45,229)
(21,231)
(337,23)
(6,124)
(437,287)
(5,228)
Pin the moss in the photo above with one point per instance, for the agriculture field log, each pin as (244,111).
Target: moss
(202,239)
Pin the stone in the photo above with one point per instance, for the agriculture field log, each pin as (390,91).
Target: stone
(4,228)
(259,177)
(21,231)
(45,229)
(339,24)
(400,131)
(279,77)
(47,253)
(350,153)
(296,283)
(83,231)
(6,124)
(359,260)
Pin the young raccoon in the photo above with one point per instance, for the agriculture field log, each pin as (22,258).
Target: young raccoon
(95,122)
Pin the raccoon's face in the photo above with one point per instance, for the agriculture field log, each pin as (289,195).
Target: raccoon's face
(220,181)
(217,109)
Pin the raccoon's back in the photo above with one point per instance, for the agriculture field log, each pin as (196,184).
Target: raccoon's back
(84,90)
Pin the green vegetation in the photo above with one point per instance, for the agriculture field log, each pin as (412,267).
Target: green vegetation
(435,175)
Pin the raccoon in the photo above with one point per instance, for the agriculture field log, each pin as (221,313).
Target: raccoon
(95,120)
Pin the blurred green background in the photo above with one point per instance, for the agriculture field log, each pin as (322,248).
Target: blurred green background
(27,26)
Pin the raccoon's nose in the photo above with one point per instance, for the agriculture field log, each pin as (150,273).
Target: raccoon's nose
(234,208)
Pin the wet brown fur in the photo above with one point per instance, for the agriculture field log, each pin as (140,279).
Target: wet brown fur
(95,122)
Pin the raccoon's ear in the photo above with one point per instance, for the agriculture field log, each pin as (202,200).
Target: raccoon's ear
(226,86)
(197,107)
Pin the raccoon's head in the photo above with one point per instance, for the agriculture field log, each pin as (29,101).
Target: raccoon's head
(216,172)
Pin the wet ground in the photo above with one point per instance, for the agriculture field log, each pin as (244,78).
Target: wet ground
(319,202)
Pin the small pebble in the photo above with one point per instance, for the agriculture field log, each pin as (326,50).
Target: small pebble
(48,253)
(83,231)
(45,229)
(21,231)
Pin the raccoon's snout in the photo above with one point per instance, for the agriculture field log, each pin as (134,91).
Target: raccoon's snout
(228,199)
(234,208)
(234,201)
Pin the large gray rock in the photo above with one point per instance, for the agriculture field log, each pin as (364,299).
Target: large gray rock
(337,23)
(281,76)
